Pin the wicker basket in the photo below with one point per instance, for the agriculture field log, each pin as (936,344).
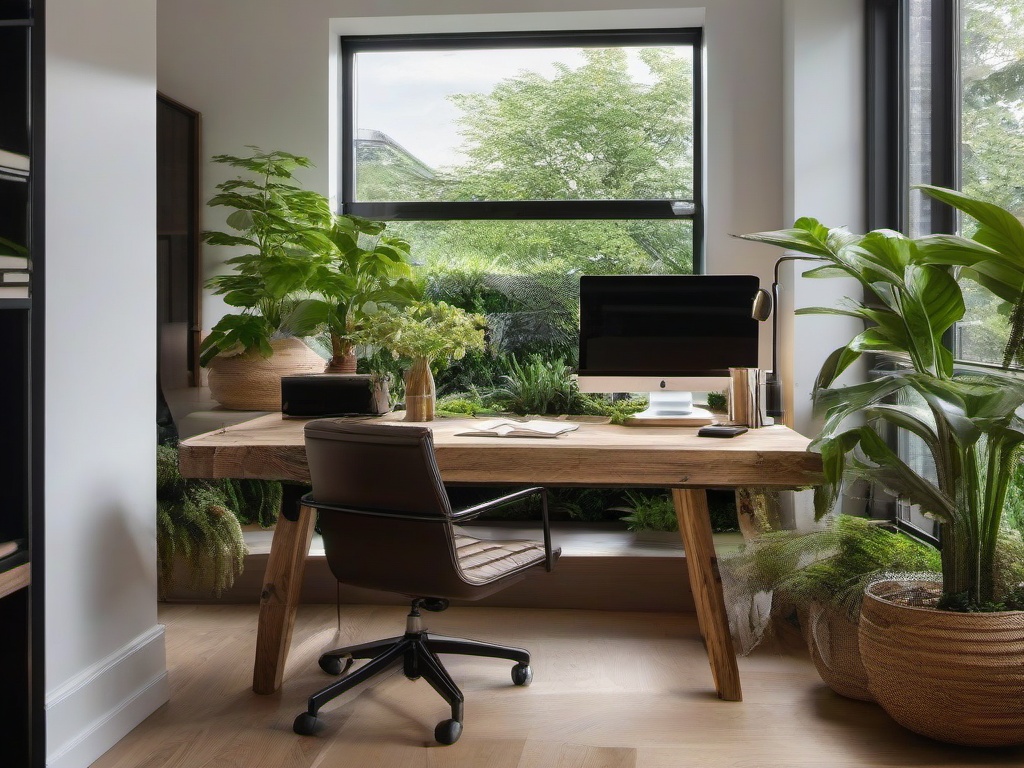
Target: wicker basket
(835,650)
(954,677)
(250,382)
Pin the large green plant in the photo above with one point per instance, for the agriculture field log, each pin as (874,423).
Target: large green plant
(279,226)
(354,281)
(969,422)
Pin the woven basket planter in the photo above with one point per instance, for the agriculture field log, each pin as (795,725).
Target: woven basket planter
(250,382)
(954,677)
(835,650)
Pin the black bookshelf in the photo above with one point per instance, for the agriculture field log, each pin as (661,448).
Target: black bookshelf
(21,385)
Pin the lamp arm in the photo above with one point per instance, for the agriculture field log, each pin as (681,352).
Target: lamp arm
(773,395)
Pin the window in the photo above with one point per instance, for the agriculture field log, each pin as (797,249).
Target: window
(547,155)
(954,117)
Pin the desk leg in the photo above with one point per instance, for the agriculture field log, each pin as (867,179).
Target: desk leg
(280,598)
(706,585)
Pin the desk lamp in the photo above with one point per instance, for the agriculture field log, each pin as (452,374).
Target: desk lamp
(765,305)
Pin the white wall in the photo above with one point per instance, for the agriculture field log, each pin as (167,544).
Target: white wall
(824,177)
(105,660)
(783,115)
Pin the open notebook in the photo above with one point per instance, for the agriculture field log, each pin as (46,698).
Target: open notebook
(509,428)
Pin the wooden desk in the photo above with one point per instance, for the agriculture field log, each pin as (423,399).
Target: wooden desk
(272,448)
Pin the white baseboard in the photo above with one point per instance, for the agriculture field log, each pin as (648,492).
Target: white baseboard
(95,709)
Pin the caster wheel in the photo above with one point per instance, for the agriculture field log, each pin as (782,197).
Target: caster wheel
(448,731)
(332,665)
(522,674)
(305,724)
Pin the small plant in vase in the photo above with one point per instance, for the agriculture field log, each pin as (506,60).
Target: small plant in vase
(424,334)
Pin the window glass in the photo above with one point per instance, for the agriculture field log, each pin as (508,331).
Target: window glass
(991,146)
(549,123)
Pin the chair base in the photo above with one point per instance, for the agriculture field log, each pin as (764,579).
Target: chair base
(416,651)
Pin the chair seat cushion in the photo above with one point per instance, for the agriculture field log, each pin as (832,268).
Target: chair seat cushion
(484,560)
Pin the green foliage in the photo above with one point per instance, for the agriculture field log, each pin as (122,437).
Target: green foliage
(364,270)
(277,225)
(649,512)
(469,403)
(425,330)
(198,521)
(536,386)
(717,401)
(596,131)
(831,565)
(969,424)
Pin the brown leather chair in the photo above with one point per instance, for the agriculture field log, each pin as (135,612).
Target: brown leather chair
(387,524)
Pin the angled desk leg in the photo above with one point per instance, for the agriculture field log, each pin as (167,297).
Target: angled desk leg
(706,585)
(280,597)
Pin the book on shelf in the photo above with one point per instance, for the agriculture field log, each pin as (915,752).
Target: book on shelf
(12,262)
(15,276)
(510,428)
(14,291)
(9,548)
(14,163)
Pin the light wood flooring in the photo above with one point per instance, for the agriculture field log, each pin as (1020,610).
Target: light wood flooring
(610,690)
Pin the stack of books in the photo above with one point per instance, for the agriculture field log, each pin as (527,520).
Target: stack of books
(14,277)
(14,269)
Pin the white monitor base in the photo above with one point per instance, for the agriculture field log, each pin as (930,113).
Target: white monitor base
(672,409)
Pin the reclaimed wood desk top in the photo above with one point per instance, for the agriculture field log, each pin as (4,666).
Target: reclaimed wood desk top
(271,448)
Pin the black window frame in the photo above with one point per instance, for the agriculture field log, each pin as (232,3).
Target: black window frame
(888,126)
(888,112)
(523,209)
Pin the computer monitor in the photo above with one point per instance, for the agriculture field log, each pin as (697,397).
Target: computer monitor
(666,334)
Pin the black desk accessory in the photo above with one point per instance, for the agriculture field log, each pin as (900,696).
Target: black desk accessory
(720,430)
(320,395)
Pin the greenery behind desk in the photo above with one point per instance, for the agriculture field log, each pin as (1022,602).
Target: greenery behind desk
(602,455)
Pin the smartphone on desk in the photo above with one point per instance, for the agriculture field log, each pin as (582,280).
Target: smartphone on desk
(720,430)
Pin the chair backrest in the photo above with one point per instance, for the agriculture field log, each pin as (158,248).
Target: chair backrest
(374,466)
(406,543)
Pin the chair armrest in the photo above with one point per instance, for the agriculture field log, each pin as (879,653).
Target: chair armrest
(470,512)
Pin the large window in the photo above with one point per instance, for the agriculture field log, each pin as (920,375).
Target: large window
(532,154)
(947,108)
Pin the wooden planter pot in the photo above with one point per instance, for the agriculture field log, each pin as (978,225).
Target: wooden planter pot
(250,382)
(835,650)
(954,677)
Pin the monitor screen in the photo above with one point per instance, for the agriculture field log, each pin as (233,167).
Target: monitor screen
(665,332)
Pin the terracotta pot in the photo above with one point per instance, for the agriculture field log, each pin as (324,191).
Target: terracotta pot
(954,677)
(249,382)
(344,359)
(419,392)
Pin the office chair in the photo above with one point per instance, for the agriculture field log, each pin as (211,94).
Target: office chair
(387,524)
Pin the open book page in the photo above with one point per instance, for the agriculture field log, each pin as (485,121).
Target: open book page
(509,428)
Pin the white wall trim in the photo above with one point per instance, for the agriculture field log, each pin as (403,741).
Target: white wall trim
(76,737)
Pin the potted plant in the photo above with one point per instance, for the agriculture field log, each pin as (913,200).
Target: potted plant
(423,333)
(942,659)
(819,575)
(198,524)
(353,282)
(279,227)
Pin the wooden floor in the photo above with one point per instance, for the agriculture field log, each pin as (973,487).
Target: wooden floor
(610,690)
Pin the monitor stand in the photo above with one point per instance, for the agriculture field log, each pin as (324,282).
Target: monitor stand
(671,409)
